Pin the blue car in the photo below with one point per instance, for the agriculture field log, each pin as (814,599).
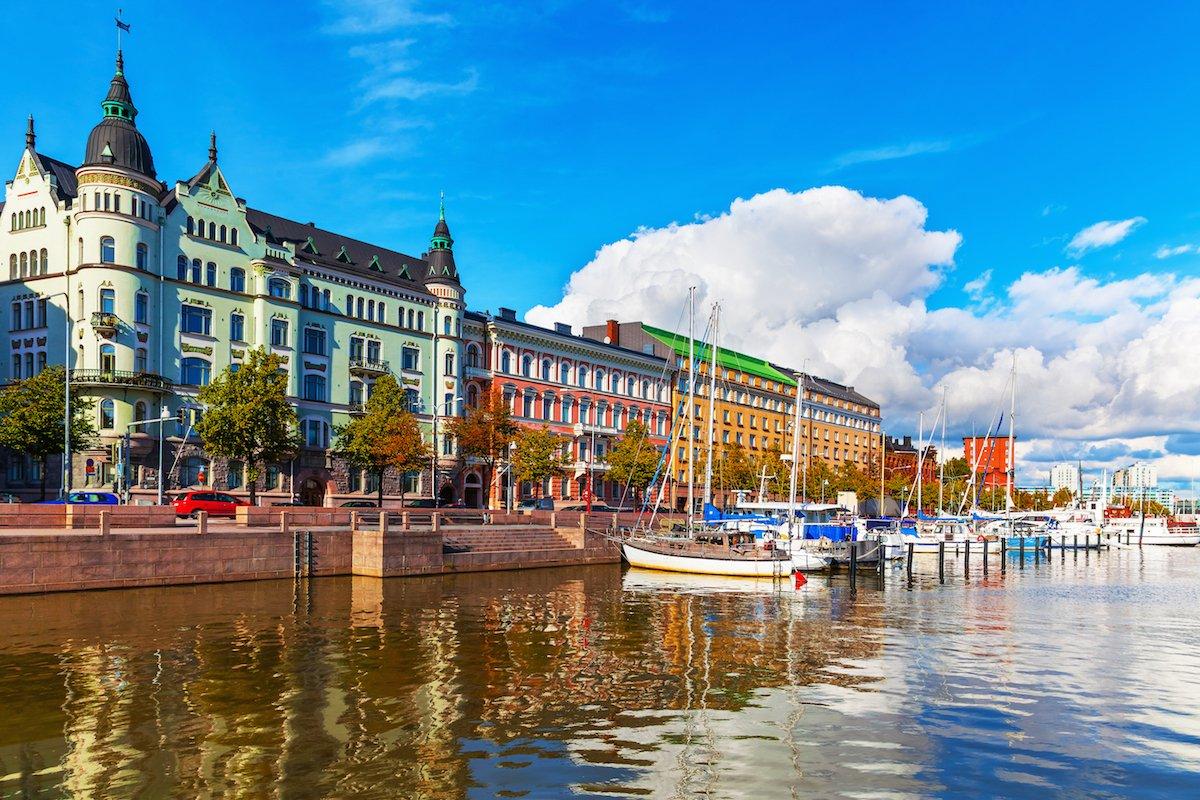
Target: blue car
(87,499)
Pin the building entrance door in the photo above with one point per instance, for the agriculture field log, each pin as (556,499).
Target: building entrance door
(312,493)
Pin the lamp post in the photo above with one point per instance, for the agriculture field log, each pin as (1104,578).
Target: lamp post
(824,483)
(162,420)
(66,459)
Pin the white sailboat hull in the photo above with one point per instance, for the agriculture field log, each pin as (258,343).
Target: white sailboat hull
(704,565)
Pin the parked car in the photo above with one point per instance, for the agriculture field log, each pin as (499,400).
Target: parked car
(597,508)
(9,497)
(432,502)
(360,504)
(536,504)
(217,504)
(87,499)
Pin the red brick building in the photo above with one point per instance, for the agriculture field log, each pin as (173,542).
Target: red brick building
(988,456)
(585,391)
(901,458)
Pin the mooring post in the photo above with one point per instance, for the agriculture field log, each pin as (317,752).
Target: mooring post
(201,522)
(105,522)
(853,565)
(1021,544)
(942,561)
(910,558)
(985,557)
(405,523)
(966,557)
(881,552)
(383,522)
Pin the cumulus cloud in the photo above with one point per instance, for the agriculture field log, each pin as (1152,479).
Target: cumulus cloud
(1102,234)
(977,287)
(843,281)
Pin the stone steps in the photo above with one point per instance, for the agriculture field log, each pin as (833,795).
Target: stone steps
(484,541)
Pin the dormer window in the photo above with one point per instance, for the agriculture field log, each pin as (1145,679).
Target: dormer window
(374,265)
(310,246)
(342,255)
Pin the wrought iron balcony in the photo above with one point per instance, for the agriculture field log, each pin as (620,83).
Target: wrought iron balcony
(110,377)
(361,365)
(356,408)
(105,324)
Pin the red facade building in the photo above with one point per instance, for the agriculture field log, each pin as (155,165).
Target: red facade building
(581,389)
(901,458)
(988,456)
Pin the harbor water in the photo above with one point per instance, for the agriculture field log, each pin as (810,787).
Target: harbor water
(1071,677)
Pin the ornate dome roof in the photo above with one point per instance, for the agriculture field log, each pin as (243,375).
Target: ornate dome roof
(115,140)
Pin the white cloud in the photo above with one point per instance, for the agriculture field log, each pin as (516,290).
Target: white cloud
(1103,234)
(891,152)
(842,280)
(1178,250)
(976,288)
(359,17)
(357,152)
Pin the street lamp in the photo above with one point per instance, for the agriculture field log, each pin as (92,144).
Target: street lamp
(824,483)
(164,415)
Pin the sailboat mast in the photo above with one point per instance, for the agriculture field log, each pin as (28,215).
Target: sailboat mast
(1012,416)
(795,452)
(691,397)
(920,456)
(942,455)
(712,400)
(882,466)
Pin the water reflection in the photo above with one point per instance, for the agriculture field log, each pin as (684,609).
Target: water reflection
(1065,677)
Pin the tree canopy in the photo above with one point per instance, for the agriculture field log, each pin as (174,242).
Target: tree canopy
(633,460)
(31,418)
(247,416)
(385,436)
(485,432)
(538,456)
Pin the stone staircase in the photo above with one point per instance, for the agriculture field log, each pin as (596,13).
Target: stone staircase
(525,538)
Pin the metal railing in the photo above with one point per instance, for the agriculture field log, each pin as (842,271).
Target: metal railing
(369,364)
(116,377)
(101,319)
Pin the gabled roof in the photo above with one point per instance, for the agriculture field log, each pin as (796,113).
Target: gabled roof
(827,387)
(64,175)
(729,359)
(322,247)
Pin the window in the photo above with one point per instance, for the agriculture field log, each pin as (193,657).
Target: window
(140,362)
(356,348)
(221,234)
(108,250)
(210,274)
(194,471)
(279,333)
(349,305)
(373,346)
(107,414)
(233,236)
(278,287)
(449,364)
(181,268)
(582,375)
(139,411)
(237,327)
(505,361)
(381,312)
(564,373)
(446,325)
(108,302)
(314,387)
(141,308)
(195,277)
(191,226)
(316,433)
(370,309)
(196,320)
(409,358)
(420,320)
(233,476)
(212,230)
(143,256)
(527,406)
(412,400)
(304,295)
(314,341)
(527,366)
(237,280)
(547,407)
(358,308)
(271,481)
(473,359)
(356,393)
(195,372)
(546,367)
(16,366)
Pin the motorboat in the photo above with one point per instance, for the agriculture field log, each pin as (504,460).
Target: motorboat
(1137,531)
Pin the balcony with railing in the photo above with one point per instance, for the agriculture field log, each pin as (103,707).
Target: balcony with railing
(356,408)
(105,324)
(116,377)
(362,365)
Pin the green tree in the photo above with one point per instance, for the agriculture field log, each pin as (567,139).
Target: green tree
(385,436)
(1062,497)
(247,416)
(733,468)
(485,432)
(31,418)
(633,460)
(956,468)
(538,456)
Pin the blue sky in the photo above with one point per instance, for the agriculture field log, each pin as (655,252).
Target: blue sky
(558,128)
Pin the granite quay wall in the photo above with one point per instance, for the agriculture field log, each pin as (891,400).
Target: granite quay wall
(61,549)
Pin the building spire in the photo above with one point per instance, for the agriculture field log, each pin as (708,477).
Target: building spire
(30,136)
(442,206)
(212,146)
(120,63)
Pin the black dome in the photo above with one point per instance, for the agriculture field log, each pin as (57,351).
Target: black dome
(118,143)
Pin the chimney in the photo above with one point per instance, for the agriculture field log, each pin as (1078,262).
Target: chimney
(612,332)
(508,313)
(908,442)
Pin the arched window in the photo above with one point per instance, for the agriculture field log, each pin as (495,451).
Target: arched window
(107,414)
(195,372)
(139,411)
(143,256)
(599,379)
(358,308)
(582,374)
(546,367)
(12,267)
(212,230)
(410,318)
(349,305)
(24,264)
(527,366)
(139,360)
(449,364)
(564,373)
(210,274)
(221,234)
(473,356)
(16,366)
(314,387)
(195,270)
(181,266)
(304,295)
(200,227)
(420,320)
(45,264)
(278,287)
(191,226)
(237,279)
(472,396)
(505,361)
(233,236)
(371,309)
(629,386)
(324,299)
(381,312)
(446,325)
(108,250)
(108,358)
(42,216)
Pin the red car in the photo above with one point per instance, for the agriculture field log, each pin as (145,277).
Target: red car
(217,504)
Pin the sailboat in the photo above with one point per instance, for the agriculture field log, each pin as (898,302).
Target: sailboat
(707,547)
